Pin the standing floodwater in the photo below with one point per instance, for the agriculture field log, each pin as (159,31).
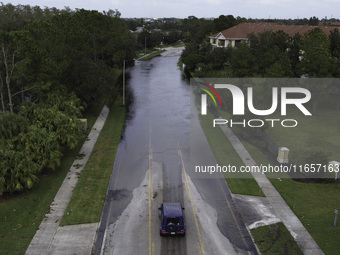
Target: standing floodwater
(151,167)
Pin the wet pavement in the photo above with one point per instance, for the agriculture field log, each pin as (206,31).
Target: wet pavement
(255,211)
(156,144)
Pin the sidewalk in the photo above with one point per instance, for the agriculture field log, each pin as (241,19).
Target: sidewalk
(50,238)
(283,211)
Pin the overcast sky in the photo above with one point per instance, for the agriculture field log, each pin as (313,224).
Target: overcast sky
(203,8)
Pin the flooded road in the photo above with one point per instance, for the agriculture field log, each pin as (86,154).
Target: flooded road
(152,167)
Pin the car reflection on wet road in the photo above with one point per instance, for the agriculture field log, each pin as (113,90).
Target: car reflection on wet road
(152,167)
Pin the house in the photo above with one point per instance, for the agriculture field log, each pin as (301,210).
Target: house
(232,36)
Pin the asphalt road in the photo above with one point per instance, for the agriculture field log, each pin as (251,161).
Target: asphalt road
(152,166)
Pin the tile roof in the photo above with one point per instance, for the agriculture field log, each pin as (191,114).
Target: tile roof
(242,30)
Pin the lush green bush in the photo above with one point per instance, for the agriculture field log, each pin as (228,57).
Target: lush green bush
(54,63)
(34,138)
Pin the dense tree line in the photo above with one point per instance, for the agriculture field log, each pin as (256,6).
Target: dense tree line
(269,54)
(53,64)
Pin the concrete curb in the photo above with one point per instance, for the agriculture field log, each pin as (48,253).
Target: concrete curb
(50,238)
(283,211)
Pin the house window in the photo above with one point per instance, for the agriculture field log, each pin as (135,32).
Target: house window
(221,43)
(237,42)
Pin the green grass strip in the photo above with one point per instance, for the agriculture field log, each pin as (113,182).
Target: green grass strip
(275,239)
(314,204)
(89,195)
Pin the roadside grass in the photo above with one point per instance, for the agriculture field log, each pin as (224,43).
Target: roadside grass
(89,195)
(180,64)
(225,155)
(275,239)
(21,214)
(256,154)
(318,132)
(313,203)
(140,54)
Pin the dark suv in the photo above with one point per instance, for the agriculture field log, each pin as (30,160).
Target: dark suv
(172,219)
